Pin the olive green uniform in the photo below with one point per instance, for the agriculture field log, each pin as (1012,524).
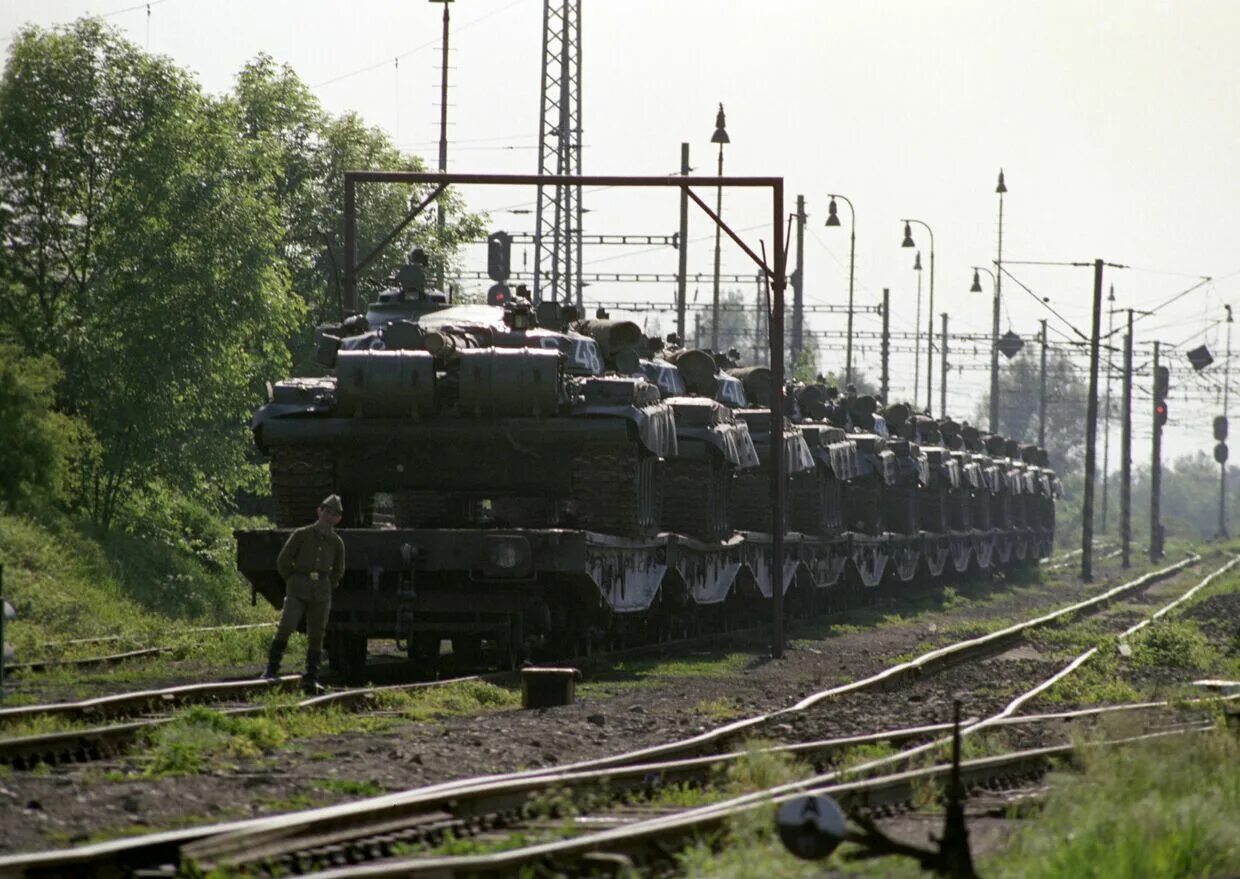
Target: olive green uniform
(311,564)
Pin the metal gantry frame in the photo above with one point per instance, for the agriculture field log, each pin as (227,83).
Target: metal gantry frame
(775,272)
(558,213)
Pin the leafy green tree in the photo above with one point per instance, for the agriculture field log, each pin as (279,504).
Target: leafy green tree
(39,442)
(143,256)
(1067,393)
(313,150)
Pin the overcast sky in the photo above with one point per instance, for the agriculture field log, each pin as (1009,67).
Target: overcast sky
(1116,124)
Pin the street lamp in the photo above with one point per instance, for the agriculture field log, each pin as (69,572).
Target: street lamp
(720,137)
(917,332)
(994,366)
(1001,189)
(908,242)
(833,219)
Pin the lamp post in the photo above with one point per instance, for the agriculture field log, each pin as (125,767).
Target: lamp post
(833,219)
(995,373)
(720,137)
(1001,189)
(917,332)
(908,242)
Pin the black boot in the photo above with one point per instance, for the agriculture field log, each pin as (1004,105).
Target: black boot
(274,654)
(310,680)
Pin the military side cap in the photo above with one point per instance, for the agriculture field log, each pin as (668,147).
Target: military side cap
(332,502)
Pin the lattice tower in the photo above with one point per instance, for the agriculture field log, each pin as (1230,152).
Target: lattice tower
(557,221)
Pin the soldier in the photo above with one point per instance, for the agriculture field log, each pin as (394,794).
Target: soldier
(311,565)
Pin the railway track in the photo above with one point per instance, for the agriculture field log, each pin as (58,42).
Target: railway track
(93,743)
(474,805)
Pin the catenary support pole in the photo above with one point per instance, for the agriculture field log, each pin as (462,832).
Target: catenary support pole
(798,287)
(682,258)
(1222,467)
(440,212)
(1125,454)
(1091,433)
(1106,421)
(1156,475)
(886,345)
(1042,393)
(776,327)
(942,372)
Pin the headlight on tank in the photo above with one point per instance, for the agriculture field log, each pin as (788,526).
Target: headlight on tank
(507,556)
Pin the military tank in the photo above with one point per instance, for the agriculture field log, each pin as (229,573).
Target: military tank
(460,410)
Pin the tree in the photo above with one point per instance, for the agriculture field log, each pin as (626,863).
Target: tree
(1067,393)
(313,150)
(143,257)
(38,441)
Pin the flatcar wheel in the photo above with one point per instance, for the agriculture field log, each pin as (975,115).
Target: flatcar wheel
(467,650)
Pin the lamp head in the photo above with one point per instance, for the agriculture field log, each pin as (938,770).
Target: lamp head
(721,133)
(1228,307)
(977,283)
(917,262)
(908,236)
(1002,187)
(833,217)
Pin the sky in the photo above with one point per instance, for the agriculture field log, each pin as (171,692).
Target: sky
(1115,123)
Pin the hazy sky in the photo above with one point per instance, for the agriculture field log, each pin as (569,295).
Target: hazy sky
(1116,124)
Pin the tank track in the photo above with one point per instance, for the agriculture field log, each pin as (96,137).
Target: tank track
(617,490)
(751,502)
(301,476)
(696,497)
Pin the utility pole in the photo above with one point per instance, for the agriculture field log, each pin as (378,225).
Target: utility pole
(1220,450)
(1091,434)
(798,286)
(942,373)
(1001,190)
(440,218)
(886,344)
(682,264)
(1156,467)
(1042,393)
(1106,417)
(917,336)
(1125,454)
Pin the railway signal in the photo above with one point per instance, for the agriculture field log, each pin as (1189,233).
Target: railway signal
(1220,427)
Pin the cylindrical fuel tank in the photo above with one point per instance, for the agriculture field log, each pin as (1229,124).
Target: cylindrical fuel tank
(509,381)
(757,382)
(385,384)
(698,370)
(612,336)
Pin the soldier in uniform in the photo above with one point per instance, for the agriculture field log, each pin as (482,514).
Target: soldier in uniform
(311,565)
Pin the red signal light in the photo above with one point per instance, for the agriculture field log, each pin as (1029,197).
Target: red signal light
(1160,413)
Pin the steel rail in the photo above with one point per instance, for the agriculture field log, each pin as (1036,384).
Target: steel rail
(641,835)
(655,837)
(359,827)
(79,745)
(647,758)
(135,850)
(45,664)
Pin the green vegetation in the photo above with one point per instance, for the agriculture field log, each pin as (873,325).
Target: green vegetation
(349,788)
(1167,809)
(640,672)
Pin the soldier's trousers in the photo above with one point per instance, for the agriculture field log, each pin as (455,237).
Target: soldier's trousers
(316,619)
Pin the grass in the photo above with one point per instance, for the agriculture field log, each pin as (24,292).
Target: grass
(200,739)
(630,674)
(1167,809)
(349,787)
(716,709)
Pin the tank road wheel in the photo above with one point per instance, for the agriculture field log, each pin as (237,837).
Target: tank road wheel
(301,476)
(696,496)
(438,509)
(617,490)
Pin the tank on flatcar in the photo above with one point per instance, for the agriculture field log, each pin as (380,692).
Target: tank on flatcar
(445,406)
